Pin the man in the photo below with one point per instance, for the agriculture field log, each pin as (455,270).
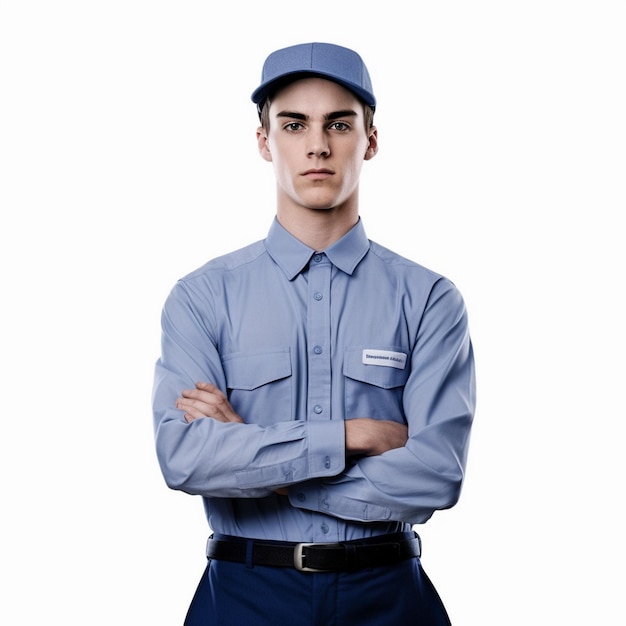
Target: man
(315,388)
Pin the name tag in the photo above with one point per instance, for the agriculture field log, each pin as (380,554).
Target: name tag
(384,358)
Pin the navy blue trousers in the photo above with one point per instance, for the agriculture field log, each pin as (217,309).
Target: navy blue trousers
(234,594)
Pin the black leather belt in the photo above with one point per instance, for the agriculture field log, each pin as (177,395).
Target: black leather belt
(317,557)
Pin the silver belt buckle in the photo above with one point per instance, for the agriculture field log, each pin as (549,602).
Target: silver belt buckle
(298,557)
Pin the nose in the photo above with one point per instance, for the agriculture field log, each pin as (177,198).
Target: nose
(318,144)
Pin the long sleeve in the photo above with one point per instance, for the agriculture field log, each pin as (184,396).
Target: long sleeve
(211,458)
(410,483)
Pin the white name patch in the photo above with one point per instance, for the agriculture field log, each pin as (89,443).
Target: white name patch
(385,358)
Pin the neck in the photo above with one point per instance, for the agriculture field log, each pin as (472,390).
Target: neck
(318,229)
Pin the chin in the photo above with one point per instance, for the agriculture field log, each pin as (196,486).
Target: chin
(321,204)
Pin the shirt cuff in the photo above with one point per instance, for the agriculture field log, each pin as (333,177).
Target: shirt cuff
(326,448)
(324,456)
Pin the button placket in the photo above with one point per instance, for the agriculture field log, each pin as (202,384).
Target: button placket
(318,334)
(319,371)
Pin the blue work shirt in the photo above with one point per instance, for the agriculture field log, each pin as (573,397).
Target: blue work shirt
(302,340)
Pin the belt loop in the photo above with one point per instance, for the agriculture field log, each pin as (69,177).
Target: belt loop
(249,550)
(208,541)
(352,558)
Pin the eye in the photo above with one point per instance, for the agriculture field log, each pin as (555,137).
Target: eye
(293,126)
(340,126)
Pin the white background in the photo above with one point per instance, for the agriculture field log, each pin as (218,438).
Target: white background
(127,159)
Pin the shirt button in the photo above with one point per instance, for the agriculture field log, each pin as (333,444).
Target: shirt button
(327,462)
(317,258)
(317,409)
(318,296)
(318,350)
(324,528)
(301,497)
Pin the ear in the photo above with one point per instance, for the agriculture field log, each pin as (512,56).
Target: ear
(372,147)
(262,143)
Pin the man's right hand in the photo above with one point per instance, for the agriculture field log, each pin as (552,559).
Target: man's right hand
(368,437)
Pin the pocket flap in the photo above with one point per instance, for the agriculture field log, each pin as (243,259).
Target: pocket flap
(251,370)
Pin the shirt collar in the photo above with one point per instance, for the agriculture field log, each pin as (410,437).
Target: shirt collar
(292,255)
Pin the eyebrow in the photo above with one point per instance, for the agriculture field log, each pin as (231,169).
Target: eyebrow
(328,117)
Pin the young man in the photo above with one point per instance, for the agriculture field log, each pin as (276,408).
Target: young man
(315,388)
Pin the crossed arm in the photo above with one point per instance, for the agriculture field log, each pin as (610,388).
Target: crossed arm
(387,476)
(364,436)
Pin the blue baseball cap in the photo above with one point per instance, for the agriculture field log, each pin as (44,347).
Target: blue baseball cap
(324,60)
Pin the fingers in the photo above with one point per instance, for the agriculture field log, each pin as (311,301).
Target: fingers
(192,414)
(221,402)
(206,400)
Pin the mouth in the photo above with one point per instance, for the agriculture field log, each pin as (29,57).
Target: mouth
(318,174)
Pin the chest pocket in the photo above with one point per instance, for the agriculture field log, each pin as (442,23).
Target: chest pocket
(373,390)
(260,385)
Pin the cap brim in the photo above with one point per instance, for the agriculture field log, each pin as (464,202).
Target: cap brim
(260,94)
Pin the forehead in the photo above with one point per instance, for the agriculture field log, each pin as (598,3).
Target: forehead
(315,94)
